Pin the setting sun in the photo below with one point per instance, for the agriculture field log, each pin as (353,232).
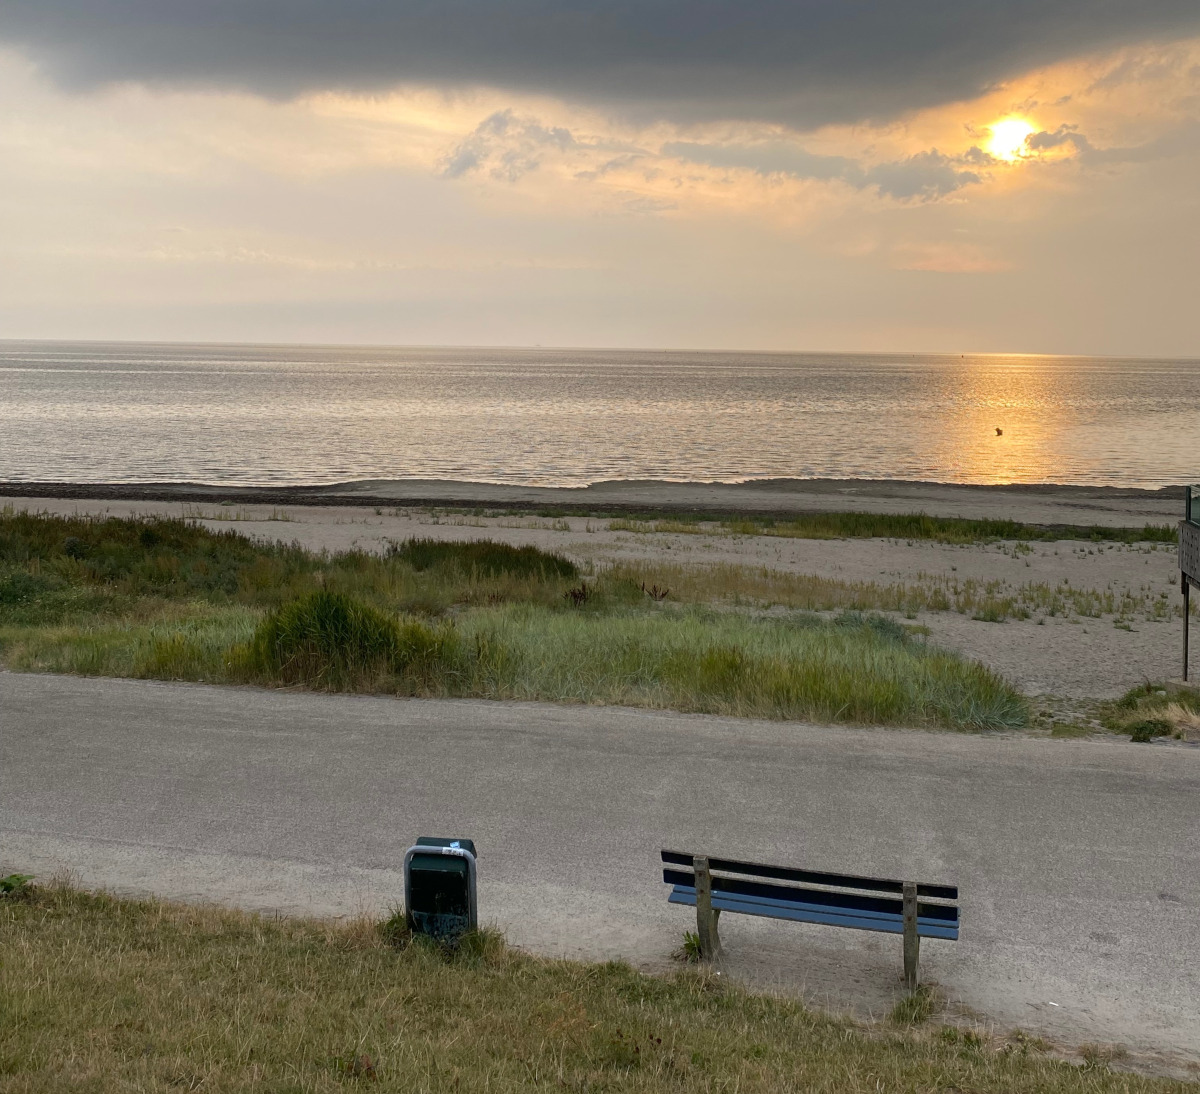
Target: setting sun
(1008,138)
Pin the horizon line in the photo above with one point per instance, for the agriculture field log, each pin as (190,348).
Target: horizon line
(595,348)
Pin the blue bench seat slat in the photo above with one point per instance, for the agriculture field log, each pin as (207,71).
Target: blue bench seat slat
(774,905)
(832,901)
(815,913)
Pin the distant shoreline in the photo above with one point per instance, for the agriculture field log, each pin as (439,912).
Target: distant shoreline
(1031,503)
(539,348)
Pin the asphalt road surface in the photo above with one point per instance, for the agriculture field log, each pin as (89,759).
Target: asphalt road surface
(1078,862)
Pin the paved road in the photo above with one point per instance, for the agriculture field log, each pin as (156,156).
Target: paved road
(1079,862)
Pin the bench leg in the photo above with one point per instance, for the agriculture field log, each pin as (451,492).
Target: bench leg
(706,917)
(912,940)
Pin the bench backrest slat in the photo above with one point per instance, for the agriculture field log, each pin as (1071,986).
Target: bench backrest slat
(813,877)
(823,897)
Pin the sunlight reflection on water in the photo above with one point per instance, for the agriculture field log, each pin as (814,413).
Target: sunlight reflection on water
(304,414)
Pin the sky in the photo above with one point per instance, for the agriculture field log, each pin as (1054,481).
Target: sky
(859,175)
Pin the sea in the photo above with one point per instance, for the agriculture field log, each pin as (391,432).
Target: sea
(302,415)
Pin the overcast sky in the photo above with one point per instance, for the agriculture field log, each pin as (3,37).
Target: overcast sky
(942,175)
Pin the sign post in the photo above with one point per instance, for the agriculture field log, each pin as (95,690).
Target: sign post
(1189,560)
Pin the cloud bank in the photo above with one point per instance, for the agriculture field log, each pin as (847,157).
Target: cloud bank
(800,62)
(923,176)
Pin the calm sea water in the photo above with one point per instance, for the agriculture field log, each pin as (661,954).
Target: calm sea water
(119,412)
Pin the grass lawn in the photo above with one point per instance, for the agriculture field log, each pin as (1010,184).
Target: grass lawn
(105,995)
(168,599)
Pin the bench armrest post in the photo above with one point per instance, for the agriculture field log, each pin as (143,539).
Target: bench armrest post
(912,940)
(706,918)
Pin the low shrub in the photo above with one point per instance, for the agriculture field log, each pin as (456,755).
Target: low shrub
(15,885)
(1146,729)
(1155,710)
(19,587)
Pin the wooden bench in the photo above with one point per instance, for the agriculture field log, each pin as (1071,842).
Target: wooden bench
(715,885)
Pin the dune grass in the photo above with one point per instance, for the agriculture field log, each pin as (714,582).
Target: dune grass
(852,670)
(60,567)
(169,600)
(191,640)
(481,556)
(994,600)
(856,669)
(333,641)
(906,526)
(109,995)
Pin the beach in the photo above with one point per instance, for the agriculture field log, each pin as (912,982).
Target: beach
(1046,504)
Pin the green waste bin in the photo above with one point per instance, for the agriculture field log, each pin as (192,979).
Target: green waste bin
(439,887)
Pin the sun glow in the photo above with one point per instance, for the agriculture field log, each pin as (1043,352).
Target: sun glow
(1008,138)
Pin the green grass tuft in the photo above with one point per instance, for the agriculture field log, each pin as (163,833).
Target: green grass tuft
(14,886)
(1145,730)
(333,641)
(483,556)
(918,1006)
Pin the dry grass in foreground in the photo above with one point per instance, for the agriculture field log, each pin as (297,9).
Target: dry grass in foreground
(106,995)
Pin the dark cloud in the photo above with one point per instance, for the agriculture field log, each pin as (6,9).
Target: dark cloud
(797,61)
(923,177)
(1064,134)
(507,145)
(927,175)
(1180,140)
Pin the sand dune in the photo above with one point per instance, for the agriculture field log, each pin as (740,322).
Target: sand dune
(1071,658)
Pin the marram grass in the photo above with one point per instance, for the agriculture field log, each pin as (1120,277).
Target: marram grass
(334,641)
(168,600)
(907,526)
(107,996)
(724,663)
(855,670)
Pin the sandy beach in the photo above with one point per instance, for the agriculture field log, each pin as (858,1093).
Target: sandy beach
(1045,504)
(1068,659)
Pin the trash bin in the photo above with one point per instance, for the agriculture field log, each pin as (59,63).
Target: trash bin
(439,887)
